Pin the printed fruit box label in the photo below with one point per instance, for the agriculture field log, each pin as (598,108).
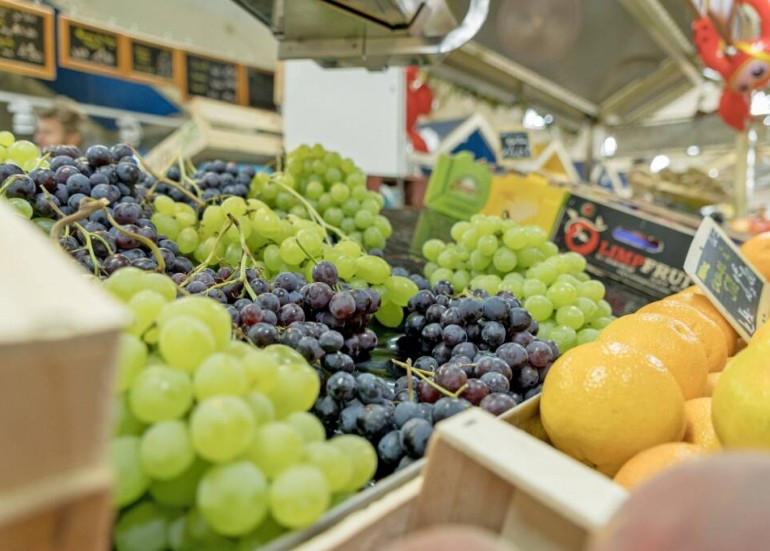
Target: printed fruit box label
(634,249)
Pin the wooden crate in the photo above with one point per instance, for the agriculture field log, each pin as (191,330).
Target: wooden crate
(58,335)
(71,512)
(485,472)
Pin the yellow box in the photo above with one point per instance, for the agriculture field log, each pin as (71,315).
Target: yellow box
(528,199)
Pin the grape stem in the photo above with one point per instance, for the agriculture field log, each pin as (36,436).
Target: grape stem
(246,256)
(162,179)
(314,213)
(145,241)
(209,258)
(426,376)
(87,207)
(8,181)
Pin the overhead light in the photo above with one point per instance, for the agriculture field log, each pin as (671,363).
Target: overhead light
(659,162)
(532,119)
(760,104)
(693,150)
(548,118)
(609,146)
(713,172)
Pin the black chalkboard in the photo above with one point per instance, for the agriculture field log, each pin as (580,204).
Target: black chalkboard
(90,48)
(261,85)
(151,60)
(26,39)
(735,287)
(211,78)
(515,145)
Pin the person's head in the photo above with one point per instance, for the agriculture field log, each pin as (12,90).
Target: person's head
(60,124)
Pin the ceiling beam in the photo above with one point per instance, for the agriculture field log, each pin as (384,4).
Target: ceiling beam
(658,23)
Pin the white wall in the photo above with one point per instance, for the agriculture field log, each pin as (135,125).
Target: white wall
(358,113)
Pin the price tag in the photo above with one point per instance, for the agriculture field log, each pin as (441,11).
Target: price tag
(515,145)
(26,40)
(150,62)
(89,48)
(260,88)
(212,78)
(728,279)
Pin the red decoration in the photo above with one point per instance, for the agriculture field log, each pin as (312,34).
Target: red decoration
(419,101)
(744,70)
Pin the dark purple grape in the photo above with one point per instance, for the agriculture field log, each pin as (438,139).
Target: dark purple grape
(287,280)
(262,334)
(234,317)
(77,183)
(370,391)
(128,173)
(405,411)
(402,383)
(534,327)
(115,262)
(554,348)
(450,377)
(513,354)
(125,241)
(373,422)
(128,213)
(60,161)
(44,206)
(451,316)
(218,295)
(443,287)
(496,382)
(22,187)
(480,293)
(475,391)
(467,349)
(495,309)
(453,335)
(414,437)
(341,386)
(421,301)
(528,377)
(103,243)
(470,310)
(310,349)
(64,173)
(328,411)
(196,288)
(442,352)
(99,155)
(317,295)
(367,340)
(497,403)
(98,178)
(44,178)
(531,393)
(426,363)
(269,301)
(290,313)
(524,338)
(539,354)
(331,341)
(62,195)
(432,332)
(352,347)
(389,449)
(348,417)
(519,319)
(123,150)
(363,300)
(133,254)
(173,247)
(414,324)
(474,333)
(434,312)
(282,295)
(543,372)
(182,265)
(426,393)
(325,272)
(493,333)
(146,264)
(446,407)
(259,286)
(342,305)
(338,361)
(492,364)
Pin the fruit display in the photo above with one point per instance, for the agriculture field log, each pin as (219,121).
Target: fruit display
(497,254)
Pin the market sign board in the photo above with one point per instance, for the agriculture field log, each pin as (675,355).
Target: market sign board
(90,48)
(211,78)
(27,40)
(638,250)
(728,279)
(151,62)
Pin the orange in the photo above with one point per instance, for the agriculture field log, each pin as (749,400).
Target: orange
(740,406)
(708,332)
(699,429)
(602,403)
(669,340)
(703,305)
(652,461)
(761,334)
(711,382)
(756,249)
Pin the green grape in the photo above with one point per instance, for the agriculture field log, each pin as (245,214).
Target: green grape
(593,290)
(544,272)
(161,284)
(390,314)
(319,167)
(185,342)
(564,337)
(429,268)
(515,238)
(539,307)
(339,193)
(264,221)
(219,374)
(373,239)
(45,224)
(130,479)
(349,248)
(577,262)
(512,285)
(334,216)
(504,260)
(562,294)
(296,389)
(600,322)
(488,245)
(373,269)
(166,450)
(371,206)
(22,151)
(124,283)
(272,257)
(571,316)
(545,328)
(333,175)
(291,252)
(160,393)
(549,249)
(440,274)
(145,306)
(132,357)
(310,241)
(205,309)
(124,422)
(221,428)
(582,277)
(180,491)
(363,456)
(529,256)
(260,369)
(284,200)
(351,207)
(489,283)
(164,205)
(233,498)
(460,279)
(432,248)
(587,335)
(199,536)
(470,238)
(356,180)
(144,527)
(604,307)
(186,220)
(568,278)
(535,235)
(325,202)
(588,307)
(314,190)
(299,496)
(448,259)
(22,207)
(479,261)
(346,267)
(6,138)
(383,224)
(166,224)
(533,287)
(188,240)
(299,211)
(261,407)
(275,447)
(486,225)
(458,229)
(400,289)
(332,461)
(348,226)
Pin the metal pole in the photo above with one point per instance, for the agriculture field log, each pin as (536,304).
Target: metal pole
(743,183)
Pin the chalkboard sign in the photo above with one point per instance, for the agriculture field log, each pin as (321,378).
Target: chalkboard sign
(515,145)
(150,62)
(89,48)
(261,87)
(26,40)
(211,78)
(732,284)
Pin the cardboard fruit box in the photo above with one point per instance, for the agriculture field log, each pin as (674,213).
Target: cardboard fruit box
(487,472)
